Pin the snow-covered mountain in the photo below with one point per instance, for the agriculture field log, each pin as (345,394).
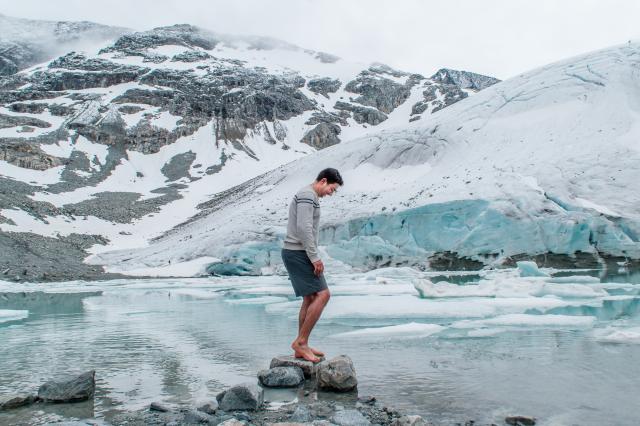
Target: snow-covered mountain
(108,149)
(26,42)
(543,165)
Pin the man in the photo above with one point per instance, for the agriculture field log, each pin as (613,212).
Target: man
(300,256)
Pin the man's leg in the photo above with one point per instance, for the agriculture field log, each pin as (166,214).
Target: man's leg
(306,301)
(313,312)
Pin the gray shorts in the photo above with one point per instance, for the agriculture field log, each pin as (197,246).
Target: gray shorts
(300,270)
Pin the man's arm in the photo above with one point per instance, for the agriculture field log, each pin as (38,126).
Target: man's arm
(304,225)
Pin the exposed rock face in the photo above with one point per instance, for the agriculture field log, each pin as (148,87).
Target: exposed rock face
(247,396)
(322,136)
(281,377)
(337,374)
(377,91)
(30,156)
(464,79)
(362,114)
(7,121)
(324,86)
(79,388)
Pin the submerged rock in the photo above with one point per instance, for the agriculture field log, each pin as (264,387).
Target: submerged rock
(308,368)
(8,402)
(80,388)
(281,377)
(157,406)
(520,420)
(337,374)
(209,407)
(246,396)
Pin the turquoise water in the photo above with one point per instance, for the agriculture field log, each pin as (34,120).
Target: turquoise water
(566,355)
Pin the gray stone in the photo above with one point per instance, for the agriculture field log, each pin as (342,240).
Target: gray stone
(158,406)
(337,374)
(520,420)
(464,79)
(301,414)
(281,377)
(209,407)
(196,417)
(322,136)
(80,388)
(308,368)
(246,396)
(350,418)
(409,421)
(323,86)
(362,114)
(232,422)
(8,402)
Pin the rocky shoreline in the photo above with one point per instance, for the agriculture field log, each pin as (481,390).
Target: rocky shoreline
(291,392)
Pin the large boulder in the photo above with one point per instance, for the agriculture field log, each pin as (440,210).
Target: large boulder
(308,367)
(80,388)
(337,374)
(281,377)
(246,396)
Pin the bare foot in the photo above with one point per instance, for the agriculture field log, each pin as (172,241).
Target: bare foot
(304,351)
(316,352)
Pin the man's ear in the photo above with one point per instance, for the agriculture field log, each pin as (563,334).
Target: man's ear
(323,181)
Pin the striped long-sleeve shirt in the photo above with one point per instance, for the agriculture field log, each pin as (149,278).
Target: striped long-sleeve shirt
(304,218)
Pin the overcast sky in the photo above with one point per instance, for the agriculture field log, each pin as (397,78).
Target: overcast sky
(495,37)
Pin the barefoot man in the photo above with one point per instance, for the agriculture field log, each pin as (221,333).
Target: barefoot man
(300,256)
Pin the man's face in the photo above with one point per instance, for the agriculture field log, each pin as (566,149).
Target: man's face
(327,188)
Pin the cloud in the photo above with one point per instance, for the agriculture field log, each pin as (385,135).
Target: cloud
(495,37)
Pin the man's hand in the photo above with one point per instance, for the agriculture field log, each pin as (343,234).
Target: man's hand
(318,268)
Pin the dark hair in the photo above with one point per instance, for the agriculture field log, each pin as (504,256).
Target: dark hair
(331,175)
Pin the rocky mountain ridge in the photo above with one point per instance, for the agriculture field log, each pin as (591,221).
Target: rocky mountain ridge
(174,115)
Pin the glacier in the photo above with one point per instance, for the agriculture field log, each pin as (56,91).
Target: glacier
(540,166)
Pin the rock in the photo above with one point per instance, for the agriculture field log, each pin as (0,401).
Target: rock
(337,374)
(157,406)
(308,368)
(246,396)
(209,407)
(80,388)
(520,420)
(409,421)
(281,377)
(371,400)
(464,79)
(8,402)
(232,422)
(301,414)
(362,114)
(323,86)
(322,136)
(350,418)
(196,417)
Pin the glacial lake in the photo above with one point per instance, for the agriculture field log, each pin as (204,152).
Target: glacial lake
(565,349)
